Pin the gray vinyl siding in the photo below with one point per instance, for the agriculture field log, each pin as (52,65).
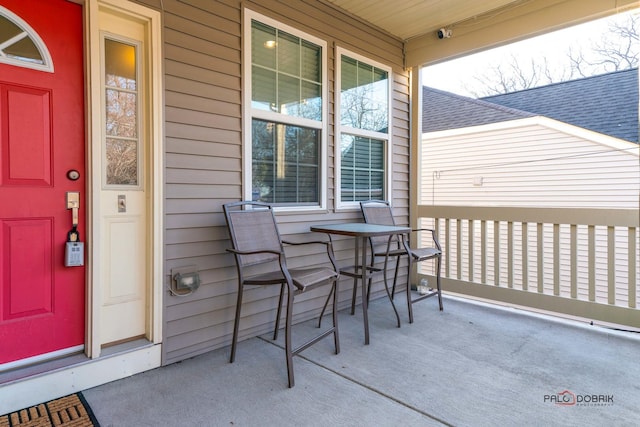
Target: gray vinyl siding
(202,42)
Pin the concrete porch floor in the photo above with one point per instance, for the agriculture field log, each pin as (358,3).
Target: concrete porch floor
(471,365)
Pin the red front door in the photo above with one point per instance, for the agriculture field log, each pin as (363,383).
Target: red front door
(41,140)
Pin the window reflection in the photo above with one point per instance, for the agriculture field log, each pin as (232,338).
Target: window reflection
(364,97)
(286,75)
(285,163)
(121,97)
(362,168)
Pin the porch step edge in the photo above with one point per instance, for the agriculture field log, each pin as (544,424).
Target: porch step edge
(29,391)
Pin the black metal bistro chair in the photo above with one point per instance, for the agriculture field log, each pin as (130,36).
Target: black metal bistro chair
(379,212)
(260,260)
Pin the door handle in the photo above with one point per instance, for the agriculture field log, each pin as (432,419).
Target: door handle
(73,203)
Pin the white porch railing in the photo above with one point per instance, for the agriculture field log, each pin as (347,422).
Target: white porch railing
(578,262)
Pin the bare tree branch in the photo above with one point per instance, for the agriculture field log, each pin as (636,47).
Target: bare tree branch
(617,49)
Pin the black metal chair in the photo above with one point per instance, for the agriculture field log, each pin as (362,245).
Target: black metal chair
(260,260)
(379,212)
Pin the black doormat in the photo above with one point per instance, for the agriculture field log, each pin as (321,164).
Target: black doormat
(68,411)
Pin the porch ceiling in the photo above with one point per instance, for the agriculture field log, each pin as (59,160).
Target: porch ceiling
(476,24)
(413,18)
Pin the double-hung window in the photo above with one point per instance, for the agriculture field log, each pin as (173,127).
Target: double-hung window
(364,133)
(285,106)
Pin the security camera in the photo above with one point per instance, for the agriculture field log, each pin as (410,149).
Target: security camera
(444,33)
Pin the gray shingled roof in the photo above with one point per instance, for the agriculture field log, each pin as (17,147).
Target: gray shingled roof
(445,110)
(607,103)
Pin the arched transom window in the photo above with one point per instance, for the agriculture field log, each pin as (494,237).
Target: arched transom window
(20,45)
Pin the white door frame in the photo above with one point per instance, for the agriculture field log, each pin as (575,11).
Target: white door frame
(151,19)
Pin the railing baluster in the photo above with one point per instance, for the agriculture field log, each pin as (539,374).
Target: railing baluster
(447,232)
(574,260)
(459,248)
(525,256)
(540,256)
(592,262)
(611,264)
(483,251)
(632,267)
(556,259)
(471,251)
(496,253)
(510,254)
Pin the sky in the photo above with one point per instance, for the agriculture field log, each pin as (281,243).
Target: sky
(453,75)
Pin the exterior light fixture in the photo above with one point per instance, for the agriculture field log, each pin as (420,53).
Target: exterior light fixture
(184,281)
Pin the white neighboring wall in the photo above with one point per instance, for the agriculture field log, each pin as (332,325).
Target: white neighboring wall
(535,162)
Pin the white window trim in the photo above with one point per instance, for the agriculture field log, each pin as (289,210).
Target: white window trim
(339,129)
(37,40)
(250,113)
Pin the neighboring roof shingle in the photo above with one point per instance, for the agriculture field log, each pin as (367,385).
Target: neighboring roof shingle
(606,103)
(445,110)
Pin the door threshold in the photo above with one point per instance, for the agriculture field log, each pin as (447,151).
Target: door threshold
(67,361)
(38,368)
(40,358)
(26,387)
